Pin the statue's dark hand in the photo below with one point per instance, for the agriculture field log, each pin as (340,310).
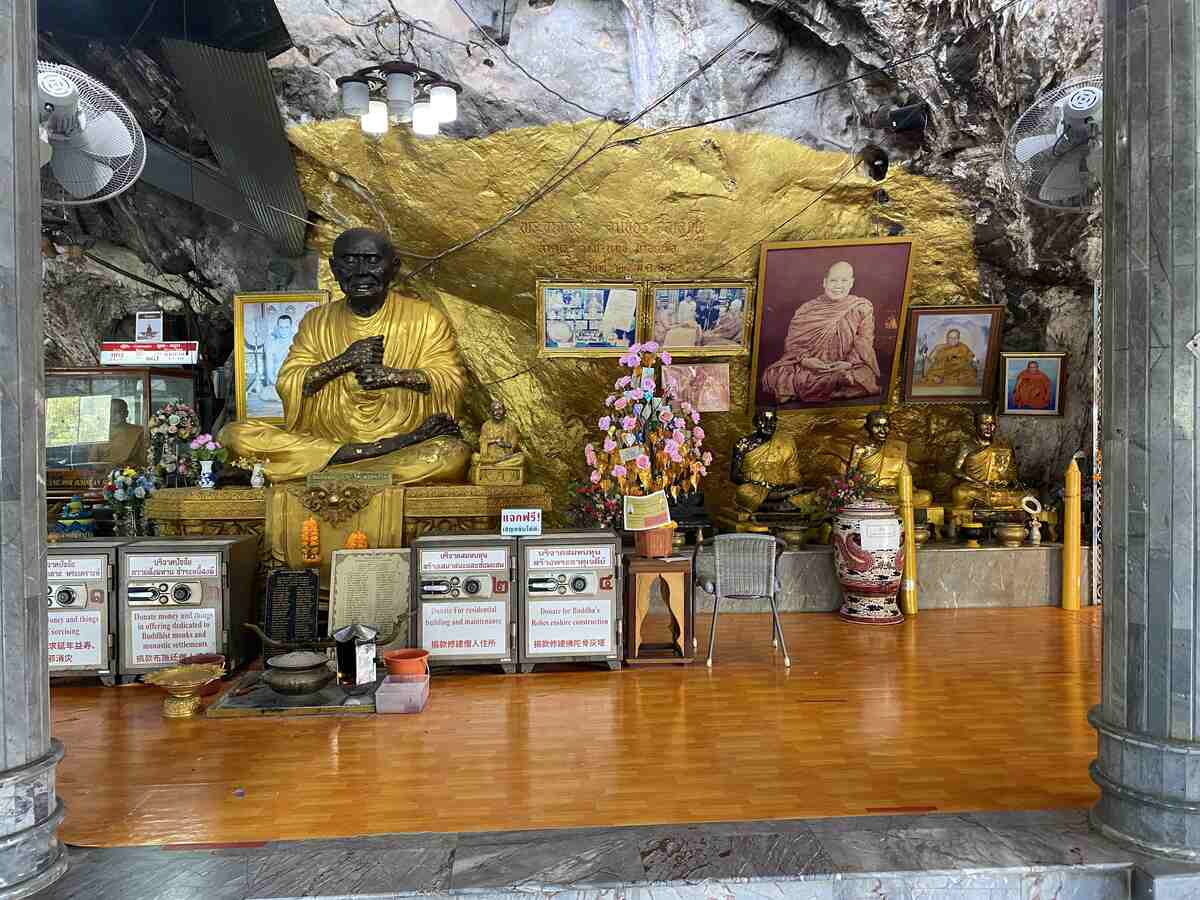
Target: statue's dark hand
(437,425)
(364,352)
(372,377)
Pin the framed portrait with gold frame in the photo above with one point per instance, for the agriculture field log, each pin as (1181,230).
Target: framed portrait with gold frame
(702,318)
(952,352)
(829,323)
(588,318)
(263,327)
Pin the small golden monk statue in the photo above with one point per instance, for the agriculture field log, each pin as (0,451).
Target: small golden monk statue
(372,381)
(499,449)
(766,469)
(986,470)
(881,459)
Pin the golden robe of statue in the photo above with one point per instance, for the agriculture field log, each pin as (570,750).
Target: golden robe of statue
(499,445)
(775,462)
(950,365)
(987,470)
(126,446)
(882,464)
(416,336)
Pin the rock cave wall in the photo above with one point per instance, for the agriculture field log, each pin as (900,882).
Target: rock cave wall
(611,58)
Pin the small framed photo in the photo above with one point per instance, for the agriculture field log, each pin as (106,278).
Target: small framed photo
(702,318)
(1033,383)
(263,327)
(588,318)
(704,385)
(952,353)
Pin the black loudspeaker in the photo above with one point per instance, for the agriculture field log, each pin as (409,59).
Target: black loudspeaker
(907,118)
(875,160)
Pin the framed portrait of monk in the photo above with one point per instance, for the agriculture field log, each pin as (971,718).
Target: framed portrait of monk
(952,353)
(702,318)
(829,323)
(588,318)
(1033,383)
(263,327)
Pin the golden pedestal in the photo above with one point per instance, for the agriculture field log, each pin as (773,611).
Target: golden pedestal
(216,513)
(484,475)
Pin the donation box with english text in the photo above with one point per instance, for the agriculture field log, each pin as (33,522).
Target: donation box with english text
(80,592)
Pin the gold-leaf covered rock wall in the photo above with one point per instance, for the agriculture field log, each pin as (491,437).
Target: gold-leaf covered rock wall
(669,207)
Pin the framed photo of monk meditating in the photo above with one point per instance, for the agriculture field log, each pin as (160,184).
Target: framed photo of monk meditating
(1033,383)
(952,353)
(829,321)
(263,327)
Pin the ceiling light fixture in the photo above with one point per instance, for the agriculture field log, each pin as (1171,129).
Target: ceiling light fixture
(405,92)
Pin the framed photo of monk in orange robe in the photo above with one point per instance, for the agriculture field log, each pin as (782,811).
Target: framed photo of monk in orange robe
(829,322)
(1033,383)
(952,353)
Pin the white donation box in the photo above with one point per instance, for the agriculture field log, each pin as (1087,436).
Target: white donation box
(463,604)
(80,588)
(571,609)
(183,596)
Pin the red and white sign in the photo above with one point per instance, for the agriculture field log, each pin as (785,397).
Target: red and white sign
(156,353)
(598,557)
(164,636)
(76,568)
(520,522)
(174,565)
(465,629)
(568,627)
(76,639)
(475,559)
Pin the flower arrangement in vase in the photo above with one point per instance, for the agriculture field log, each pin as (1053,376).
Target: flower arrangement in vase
(172,425)
(125,492)
(846,490)
(650,439)
(206,451)
(590,507)
(255,466)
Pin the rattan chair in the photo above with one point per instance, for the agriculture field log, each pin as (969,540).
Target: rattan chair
(741,567)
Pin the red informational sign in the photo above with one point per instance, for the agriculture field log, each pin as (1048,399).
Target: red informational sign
(156,353)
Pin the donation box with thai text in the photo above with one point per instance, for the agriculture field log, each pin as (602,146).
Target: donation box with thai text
(80,591)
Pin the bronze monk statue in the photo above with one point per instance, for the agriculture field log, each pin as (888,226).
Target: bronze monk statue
(499,445)
(766,469)
(987,470)
(371,381)
(881,459)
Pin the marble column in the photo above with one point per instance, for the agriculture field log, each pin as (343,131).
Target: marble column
(31,855)
(1148,720)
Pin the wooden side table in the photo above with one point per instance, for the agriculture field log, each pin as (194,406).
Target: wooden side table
(674,578)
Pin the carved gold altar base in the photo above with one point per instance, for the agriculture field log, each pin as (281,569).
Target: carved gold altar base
(227,512)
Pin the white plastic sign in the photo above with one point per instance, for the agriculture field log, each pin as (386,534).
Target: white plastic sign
(558,627)
(880,535)
(174,565)
(161,353)
(475,559)
(76,639)
(163,636)
(76,568)
(521,522)
(464,629)
(598,557)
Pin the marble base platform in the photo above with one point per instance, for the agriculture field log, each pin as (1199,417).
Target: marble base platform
(949,576)
(976,856)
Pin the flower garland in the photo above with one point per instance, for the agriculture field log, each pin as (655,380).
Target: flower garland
(175,422)
(651,441)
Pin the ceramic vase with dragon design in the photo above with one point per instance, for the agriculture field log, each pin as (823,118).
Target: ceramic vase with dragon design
(868,552)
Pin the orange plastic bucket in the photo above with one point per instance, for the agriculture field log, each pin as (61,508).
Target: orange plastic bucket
(406,662)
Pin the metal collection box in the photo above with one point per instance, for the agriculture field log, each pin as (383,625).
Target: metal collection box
(182,596)
(463,602)
(80,583)
(571,602)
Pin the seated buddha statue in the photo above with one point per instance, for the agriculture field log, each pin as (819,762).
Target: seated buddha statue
(882,458)
(499,444)
(371,382)
(986,470)
(766,469)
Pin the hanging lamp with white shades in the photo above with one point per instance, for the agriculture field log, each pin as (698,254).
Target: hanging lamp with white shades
(399,92)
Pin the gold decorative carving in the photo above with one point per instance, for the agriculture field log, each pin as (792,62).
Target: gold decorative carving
(335,504)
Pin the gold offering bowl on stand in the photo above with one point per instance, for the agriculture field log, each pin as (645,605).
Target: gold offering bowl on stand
(182,684)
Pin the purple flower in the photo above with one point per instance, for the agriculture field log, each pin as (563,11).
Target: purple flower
(628,422)
(589,453)
(608,401)
(623,382)
(698,433)
(671,446)
(665,357)
(595,476)
(637,409)
(620,403)
(649,346)
(675,457)
(696,417)
(643,462)
(679,437)
(678,423)
(609,445)
(619,471)
(648,383)
(604,423)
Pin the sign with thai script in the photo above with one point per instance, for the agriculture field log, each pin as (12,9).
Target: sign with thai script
(644,513)
(76,568)
(174,565)
(76,639)
(471,559)
(465,629)
(164,636)
(157,353)
(596,557)
(558,627)
(521,522)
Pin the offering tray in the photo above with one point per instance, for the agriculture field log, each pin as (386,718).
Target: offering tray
(250,696)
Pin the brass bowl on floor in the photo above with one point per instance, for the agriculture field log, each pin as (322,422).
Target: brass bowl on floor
(182,684)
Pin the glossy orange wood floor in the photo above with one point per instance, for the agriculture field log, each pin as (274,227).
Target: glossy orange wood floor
(958,710)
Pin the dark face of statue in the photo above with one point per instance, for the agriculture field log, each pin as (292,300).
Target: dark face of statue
(765,423)
(498,411)
(363,263)
(985,426)
(878,425)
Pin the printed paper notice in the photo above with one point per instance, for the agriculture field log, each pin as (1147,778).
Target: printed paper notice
(644,513)
(880,535)
(77,640)
(369,587)
(465,629)
(164,636)
(620,310)
(561,627)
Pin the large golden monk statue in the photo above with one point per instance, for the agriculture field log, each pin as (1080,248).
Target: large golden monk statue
(987,470)
(882,458)
(372,381)
(766,469)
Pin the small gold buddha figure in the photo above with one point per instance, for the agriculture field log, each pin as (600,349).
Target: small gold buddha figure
(766,469)
(986,470)
(372,381)
(881,458)
(499,447)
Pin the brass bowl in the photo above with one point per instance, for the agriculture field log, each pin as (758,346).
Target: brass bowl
(182,684)
(971,532)
(1010,534)
(298,673)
